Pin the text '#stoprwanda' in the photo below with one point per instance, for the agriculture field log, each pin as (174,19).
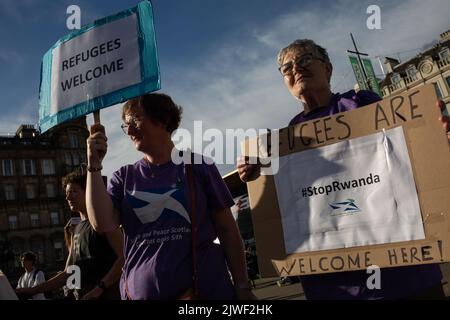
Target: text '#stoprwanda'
(336,186)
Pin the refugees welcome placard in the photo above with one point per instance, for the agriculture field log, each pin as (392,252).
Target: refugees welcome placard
(104,63)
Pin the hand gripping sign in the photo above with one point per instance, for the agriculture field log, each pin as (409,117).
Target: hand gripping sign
(104,63)
(355,189)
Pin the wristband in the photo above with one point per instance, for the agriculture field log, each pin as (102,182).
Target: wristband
(94,169)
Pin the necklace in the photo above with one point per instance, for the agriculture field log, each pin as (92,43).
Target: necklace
(177,182)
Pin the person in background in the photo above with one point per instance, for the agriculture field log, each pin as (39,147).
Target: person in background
(98,255)
(32,276)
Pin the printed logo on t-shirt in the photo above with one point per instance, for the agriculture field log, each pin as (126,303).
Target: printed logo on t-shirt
(76,245)
(150,206)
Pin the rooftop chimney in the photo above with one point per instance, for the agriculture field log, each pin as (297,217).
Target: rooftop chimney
(445,36)
(26,131)
(390,64)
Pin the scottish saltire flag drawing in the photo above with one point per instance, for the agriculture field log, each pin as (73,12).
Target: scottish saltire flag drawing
(104,63)
(152,205)
(344,207)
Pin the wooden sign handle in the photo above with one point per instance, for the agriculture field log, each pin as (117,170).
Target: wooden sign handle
(97,117)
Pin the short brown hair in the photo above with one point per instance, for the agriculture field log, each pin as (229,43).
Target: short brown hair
(75,177)
(29,255)
(159,107)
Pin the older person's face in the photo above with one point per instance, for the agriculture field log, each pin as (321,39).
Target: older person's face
(142,130)
(313,77)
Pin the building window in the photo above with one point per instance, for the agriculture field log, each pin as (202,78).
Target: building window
(54,216)
(69,161)
(34,218)
(411,72)
(83,158)
(12,220)
(51,190)
(17,246)
(72,159)
(48,167)
(9,192)
(395,78)
(7,167)
(29,168)
(73,141)
(448,82)
(37,246)
(444,54)
(75,159)
(59,251)
(438,90)
(31,191)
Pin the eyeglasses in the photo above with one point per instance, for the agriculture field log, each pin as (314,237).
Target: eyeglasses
(134,123)
(301,62)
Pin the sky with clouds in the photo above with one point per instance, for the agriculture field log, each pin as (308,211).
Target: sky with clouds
(217,58)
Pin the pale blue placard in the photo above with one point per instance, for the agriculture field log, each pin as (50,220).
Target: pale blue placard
(149,68)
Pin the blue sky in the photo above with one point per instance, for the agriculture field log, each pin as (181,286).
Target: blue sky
(217,58)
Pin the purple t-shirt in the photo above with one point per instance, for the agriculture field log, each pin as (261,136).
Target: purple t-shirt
(396,283)
(154,205)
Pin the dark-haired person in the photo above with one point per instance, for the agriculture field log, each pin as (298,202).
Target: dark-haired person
(151,200)
(99,256)
(32,276)
(306,70)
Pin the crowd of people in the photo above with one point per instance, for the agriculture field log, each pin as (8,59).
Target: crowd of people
(149,234)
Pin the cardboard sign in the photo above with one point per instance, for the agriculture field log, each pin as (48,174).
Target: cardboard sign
(416,116)
(104,63)
(6,291)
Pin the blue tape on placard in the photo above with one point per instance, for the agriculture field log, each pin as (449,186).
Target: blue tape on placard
(149,67)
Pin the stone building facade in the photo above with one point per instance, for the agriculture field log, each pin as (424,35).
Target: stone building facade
(33,210)
(429,66)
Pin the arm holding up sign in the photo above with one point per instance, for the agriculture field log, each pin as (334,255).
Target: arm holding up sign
(247,172)
(102,215)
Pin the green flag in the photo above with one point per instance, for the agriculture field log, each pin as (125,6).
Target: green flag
(371,76)
(358,73)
